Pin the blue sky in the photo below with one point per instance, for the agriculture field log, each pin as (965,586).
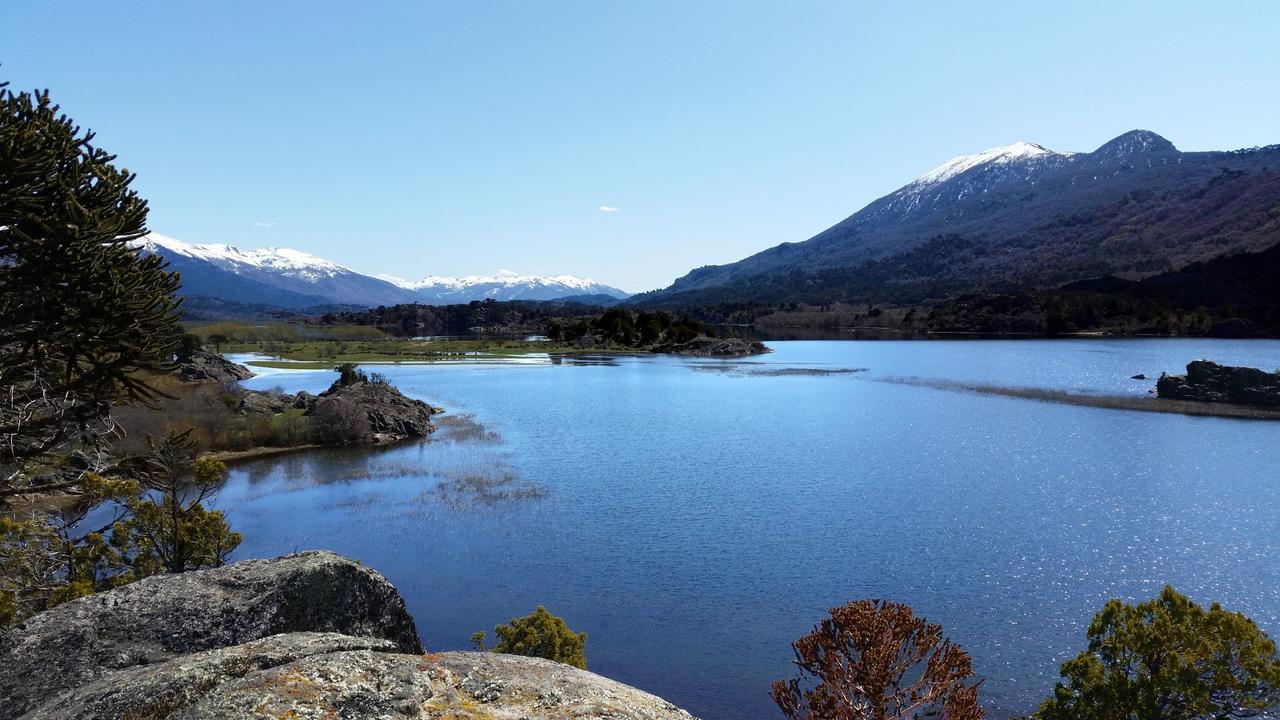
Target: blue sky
(462,137)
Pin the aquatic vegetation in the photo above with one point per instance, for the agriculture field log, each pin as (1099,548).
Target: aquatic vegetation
(465,428)
(488,488)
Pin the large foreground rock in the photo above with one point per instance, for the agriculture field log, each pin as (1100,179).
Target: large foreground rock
(314,675)
(159,690)
(311,635)
(1208,381)
(159,618)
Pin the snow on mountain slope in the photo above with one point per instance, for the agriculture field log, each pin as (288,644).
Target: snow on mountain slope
(1026,215)
(1000,155)
(292,278)
(506,285)
(286,261)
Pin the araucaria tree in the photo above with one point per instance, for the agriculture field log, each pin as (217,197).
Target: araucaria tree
(85,320)
(81,313)
(1168,659)
(874,660)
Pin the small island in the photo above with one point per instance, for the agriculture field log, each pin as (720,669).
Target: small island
(359,408)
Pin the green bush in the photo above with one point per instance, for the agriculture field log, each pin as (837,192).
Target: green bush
(1168,658)
(540,634)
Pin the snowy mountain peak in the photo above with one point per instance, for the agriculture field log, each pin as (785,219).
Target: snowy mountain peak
(297,279)
(995,156)
(503,279)
(287,261)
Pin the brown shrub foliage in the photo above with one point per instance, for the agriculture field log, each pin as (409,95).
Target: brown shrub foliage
(874,660)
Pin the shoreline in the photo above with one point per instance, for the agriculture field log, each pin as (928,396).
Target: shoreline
(1106,402)
(230,457)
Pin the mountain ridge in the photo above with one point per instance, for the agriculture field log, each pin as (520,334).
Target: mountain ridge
(1015,202)
(294,279)
(506,285)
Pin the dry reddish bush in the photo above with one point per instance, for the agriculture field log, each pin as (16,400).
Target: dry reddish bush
(874,660)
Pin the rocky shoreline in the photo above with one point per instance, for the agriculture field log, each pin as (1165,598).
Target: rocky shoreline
(1108,402)
(1209,382)
(306,635)
(390,415)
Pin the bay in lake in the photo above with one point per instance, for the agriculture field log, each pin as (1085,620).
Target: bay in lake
(694,516)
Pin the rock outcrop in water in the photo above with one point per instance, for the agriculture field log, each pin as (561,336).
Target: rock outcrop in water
(307,635)
(390,415)
(1208,381)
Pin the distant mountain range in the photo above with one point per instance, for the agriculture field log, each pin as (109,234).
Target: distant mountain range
(506,285)
(1019,216)
(293,279)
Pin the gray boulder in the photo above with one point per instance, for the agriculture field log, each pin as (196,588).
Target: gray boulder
(159,618)
(205,366)
(260,402)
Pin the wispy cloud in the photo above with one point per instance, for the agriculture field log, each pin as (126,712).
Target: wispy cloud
(265,224)
(608,209)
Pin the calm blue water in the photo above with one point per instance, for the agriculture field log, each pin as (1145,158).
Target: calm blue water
(697,515)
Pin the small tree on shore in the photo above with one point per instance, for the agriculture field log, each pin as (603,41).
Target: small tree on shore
(539,634)
(169,529)
(874,660)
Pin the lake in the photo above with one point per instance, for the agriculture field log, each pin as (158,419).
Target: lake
(695,516)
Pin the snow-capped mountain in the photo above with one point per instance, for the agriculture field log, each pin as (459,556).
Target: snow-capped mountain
(283,261)
(1020,215)
(294,279)
(272,276)
(506,285)
(1006,155)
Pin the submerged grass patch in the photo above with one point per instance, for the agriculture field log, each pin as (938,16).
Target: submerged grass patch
(488,488)
(746,369)
(465,428)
